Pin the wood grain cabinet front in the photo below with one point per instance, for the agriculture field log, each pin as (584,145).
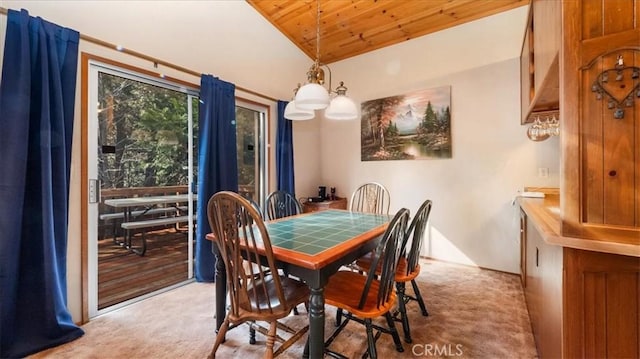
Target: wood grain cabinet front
(600,113)
(582,303)
(523,248)
(338,203)
(601,316)
(539,56)
(544,292)
(583,267)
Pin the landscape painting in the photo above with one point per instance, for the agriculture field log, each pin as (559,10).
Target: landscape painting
(413,126)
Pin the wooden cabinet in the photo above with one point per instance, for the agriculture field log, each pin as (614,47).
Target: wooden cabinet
(546,38)
(544,293)
(527,71)
(600,127)
(523,248)
(539,60)
(596,87)
(338,203)
(583,301)
(588,257)
(601,296)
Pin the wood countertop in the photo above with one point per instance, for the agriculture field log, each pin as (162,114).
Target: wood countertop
(544,213)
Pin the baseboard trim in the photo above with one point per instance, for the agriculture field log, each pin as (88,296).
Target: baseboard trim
(468,265)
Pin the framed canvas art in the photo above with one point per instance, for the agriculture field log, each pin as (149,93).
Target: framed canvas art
(413,126)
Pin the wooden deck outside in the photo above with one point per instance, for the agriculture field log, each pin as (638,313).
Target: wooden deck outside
(123,275)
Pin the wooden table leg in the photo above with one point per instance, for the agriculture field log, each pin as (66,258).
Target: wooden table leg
(316,323)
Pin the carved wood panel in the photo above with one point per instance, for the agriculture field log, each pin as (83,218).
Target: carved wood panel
(601,120)
(610,118)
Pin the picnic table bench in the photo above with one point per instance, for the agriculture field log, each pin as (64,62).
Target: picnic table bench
(149,223)
(117,217)
(134,219)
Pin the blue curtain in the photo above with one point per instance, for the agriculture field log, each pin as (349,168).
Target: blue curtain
(284,152)
(217,160)
(37,98)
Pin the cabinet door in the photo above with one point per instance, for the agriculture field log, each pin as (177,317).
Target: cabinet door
(546,37)
(527,71)
(539,61)
(544,293)
(601,120)
(533,290)
(550,265)
(523,248)
(602,317)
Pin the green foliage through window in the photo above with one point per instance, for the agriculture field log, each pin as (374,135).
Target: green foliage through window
(147,126)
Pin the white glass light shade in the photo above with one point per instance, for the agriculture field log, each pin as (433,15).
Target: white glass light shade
(312,97)
(341,108)
(292,112)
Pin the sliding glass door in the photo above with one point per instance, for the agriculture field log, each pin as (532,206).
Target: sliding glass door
(142,146)
(251,134)
(142,172)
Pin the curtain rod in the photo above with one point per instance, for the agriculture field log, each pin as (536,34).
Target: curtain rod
(154,60)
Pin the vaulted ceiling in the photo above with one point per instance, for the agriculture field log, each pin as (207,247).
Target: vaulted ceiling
(353,27)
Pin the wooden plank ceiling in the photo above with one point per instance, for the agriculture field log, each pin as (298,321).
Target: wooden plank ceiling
(353,27)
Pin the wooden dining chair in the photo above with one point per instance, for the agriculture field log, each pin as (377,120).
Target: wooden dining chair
(256,206)
(370,197)
(256,292)
(362,298)
(281,204)
(408,266)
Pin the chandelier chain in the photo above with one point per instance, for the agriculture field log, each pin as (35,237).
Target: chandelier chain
(314,96)
(318,34)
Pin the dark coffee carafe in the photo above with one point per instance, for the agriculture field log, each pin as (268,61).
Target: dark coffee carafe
(322,192)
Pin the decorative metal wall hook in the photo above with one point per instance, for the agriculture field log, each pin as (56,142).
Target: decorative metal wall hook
(621,92)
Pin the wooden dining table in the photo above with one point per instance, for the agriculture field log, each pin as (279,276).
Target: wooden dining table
(312,247)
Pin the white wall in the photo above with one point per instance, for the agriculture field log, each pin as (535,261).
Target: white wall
(473,220)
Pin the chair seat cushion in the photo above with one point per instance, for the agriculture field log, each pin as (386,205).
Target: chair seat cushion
(345,289)
(295,292)
(364,263)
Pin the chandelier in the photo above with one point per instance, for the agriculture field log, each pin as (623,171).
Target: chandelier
(314,96)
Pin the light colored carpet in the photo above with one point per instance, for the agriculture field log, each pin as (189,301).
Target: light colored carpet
(474,313)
